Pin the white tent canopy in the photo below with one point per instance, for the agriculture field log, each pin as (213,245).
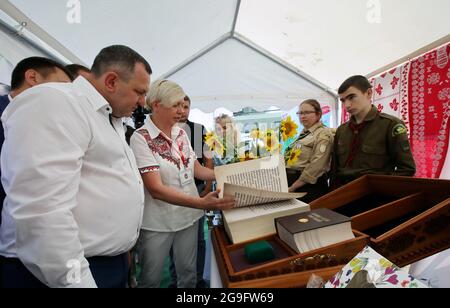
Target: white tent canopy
(332,40)
(235,75)
(231,53)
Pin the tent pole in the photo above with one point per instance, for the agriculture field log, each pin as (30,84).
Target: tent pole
(12,31)
(40,33)
(210,47)
(236,15)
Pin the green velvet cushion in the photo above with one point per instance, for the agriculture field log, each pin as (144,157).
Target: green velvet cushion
(259,252)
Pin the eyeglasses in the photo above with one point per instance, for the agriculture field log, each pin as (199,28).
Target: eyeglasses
(305,112)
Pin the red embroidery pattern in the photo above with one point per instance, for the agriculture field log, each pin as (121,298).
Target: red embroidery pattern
(404,96)
(184,150)
(380,108)
(394,104)
(429,110)
(160,146)
(394,82)
(149,169)
(379,89)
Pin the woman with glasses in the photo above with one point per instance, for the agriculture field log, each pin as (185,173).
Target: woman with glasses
(168,165)
(308,157)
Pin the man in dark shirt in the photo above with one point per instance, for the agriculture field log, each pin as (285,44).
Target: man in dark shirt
(371,142)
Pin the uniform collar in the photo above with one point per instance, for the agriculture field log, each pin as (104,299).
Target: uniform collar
(373,113)
(313,128)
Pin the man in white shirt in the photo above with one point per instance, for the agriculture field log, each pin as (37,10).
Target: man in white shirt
(28,73)
(75,198)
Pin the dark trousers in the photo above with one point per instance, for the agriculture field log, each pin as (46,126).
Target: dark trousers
(201,254)
(108,272)
(314,191)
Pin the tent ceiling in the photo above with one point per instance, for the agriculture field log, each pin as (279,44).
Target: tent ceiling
(235,75)
(165,32)
(327,39)
(331,40)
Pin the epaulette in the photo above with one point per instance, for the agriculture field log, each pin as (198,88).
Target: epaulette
(390,117)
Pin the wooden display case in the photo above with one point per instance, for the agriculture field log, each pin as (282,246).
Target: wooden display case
(235,270)
(404,219)
(407,219)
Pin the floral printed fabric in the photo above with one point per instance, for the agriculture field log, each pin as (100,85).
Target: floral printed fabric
(381,272)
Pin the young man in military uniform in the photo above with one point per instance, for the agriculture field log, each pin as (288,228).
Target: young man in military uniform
(371,142)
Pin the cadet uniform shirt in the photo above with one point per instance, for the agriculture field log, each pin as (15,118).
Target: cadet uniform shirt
(314,146)
(379,146)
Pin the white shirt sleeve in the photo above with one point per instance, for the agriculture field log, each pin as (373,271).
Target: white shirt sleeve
(46,139)
(145,158)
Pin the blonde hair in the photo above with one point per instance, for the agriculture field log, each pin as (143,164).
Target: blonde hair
(229,122)
(166,92)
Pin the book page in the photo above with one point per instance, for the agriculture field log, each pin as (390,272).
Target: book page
(245,196)
(265,174)
(244,213)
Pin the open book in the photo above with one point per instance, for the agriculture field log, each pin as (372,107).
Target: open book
(261,192)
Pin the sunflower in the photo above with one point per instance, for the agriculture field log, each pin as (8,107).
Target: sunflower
(288,128)
(256,134)
(214,144)
(293,156)
(209,136)
(271,140)
(247,156)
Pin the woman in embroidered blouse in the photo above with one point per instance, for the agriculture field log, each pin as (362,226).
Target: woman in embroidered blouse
(173,207)
(308,157)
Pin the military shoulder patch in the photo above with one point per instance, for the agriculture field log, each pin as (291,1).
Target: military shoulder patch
(398,130)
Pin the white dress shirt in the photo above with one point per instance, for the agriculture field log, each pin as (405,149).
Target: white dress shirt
(72,183)
(155,151)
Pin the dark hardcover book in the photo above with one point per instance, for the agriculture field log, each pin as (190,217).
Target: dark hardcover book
(314,229)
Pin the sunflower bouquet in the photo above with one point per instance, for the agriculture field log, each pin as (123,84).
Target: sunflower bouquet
(223,151)
(262,143)
(289,132)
